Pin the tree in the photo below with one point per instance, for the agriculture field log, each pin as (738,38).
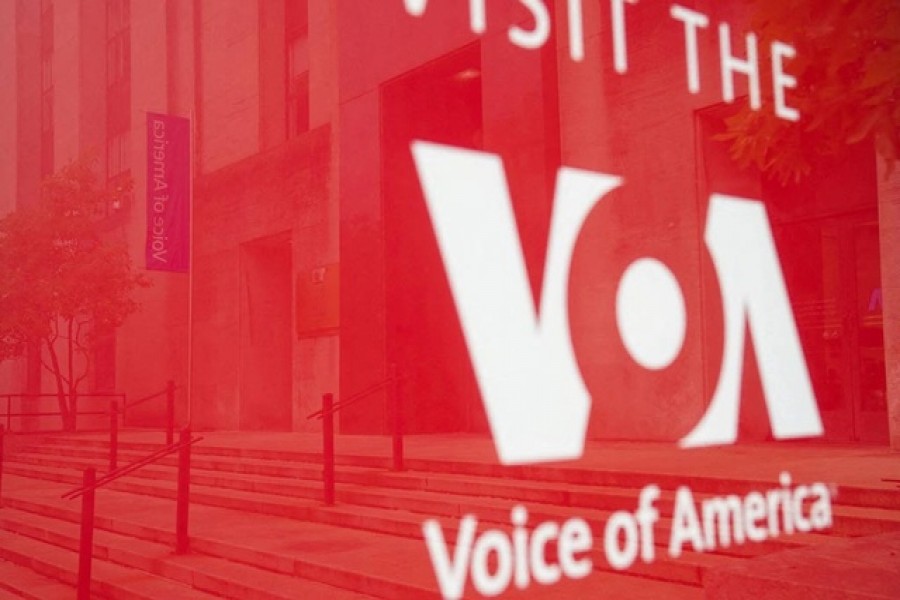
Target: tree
(848,85)
(62,281)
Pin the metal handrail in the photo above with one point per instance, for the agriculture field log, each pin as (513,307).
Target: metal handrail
(55,395)
(2,451)
(152,396)
(90,484)
(114,411)
(326,415)
(92,413)
(345,402)
(113,397)
(131,467)
(169,393)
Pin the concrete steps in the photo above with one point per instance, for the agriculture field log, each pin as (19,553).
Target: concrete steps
(299,463)
(16,582)
(406,508)
(325,555)
(218,532)
(201,573)
(376,523)
(109,580)
(427,493)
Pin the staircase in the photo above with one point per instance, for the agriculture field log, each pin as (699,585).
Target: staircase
(258,527)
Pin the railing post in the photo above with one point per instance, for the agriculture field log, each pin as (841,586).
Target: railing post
(2,445)
(86,545)
(396,420)
(182,542)
(328,447)
(170,412)
(113,435)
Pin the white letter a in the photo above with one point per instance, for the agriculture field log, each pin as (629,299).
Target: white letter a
(754,293)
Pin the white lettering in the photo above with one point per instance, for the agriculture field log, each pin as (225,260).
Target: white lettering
(646,517)
(415,7)
(478,15)
(820,511)
(754,510)
(755,297)
(692,20)
(516,558)
(781,80)
(451,575)
(721,518)
(497,559)
(575,537)
(519,518)
(786,504)
(800,521)
(543,572)
(536,37)
(620,556)
(620,48)
(685,524)
(521,358)
(730,519)
(491,584)
(576,30)
(731,65)
(524,358)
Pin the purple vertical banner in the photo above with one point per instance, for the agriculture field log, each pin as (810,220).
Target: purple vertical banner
(168,193)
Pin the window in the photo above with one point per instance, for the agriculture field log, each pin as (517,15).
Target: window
(46,72)
(118,154)
(298,105)
(118,87)
(46,28)
(118,58)
(297,65)
(46,88)
(118,15)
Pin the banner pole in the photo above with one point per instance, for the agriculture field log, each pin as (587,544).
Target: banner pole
(190,320)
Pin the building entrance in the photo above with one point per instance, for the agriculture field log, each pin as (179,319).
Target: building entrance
(826,230)
(265,334)
(424,340)
(839,316)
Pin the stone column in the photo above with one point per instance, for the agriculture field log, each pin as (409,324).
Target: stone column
(889,232)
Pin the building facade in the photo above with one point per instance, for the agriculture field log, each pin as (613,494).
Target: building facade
(315,263)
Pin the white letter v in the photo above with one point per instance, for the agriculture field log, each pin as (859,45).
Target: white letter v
(535,399)
(451,575)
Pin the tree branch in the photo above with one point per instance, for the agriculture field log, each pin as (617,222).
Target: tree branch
(56,369)
(60,391)
(83,376)
(87,364)
(48,367)
(78,325)
(83,349)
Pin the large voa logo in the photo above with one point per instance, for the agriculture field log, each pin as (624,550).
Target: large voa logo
(535,398)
